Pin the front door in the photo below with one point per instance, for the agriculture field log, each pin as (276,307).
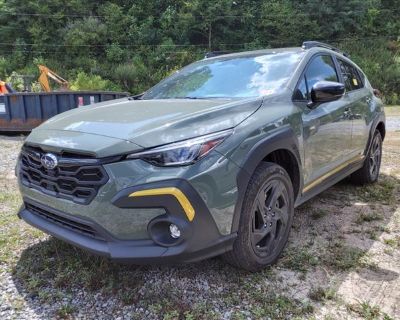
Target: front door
(327,127)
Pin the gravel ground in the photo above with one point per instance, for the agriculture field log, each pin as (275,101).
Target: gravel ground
(342,262)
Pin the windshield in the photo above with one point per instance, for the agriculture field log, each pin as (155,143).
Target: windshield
(239,77)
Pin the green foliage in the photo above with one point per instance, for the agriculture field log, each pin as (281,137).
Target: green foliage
(131,75)
(16,82)
(381,62)
(137,43)
(3,67)
(85,81)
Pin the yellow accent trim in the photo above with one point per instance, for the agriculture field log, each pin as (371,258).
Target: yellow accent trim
(332,172)
(178,194)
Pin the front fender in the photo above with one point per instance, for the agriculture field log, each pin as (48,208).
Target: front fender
(283,139)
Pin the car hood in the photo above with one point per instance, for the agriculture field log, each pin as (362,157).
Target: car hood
(149,123)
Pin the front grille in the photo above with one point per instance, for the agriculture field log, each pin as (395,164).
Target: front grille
(76,177)
(63,221)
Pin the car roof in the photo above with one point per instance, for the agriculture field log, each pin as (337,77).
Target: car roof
(256,53)
(261,52)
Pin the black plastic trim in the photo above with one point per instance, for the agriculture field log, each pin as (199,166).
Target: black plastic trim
(99,230)
(378,119)
(68,180)
(329,182)
(196,232)
(285,139)
(313,44)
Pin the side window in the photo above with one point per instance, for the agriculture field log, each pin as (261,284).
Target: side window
(321,68)
(300,94)
(352,79)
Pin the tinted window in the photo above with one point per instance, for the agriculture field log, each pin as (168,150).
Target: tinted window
(248,76)
(321,68)
(301,92)
(350,75)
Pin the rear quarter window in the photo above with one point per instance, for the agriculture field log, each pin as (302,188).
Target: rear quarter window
(351,76)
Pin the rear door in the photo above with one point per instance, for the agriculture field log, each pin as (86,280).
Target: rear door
(358,98)
(326,127)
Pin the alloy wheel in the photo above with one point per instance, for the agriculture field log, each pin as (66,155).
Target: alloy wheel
(270,217)
(375,157)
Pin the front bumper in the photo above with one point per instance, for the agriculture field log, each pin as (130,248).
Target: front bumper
(200,237)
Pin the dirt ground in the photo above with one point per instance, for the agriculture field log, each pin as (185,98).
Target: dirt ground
(342,262)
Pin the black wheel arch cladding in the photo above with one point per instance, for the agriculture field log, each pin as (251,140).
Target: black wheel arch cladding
(283,139)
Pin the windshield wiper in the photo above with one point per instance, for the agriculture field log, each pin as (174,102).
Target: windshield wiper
(188,97)
(136,96)
(204,98)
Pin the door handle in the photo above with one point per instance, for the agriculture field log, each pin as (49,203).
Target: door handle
(313,129)
(348,114)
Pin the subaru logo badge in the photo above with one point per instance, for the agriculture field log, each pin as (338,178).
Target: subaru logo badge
(49,161)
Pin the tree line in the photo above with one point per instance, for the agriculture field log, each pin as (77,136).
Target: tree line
(131,45)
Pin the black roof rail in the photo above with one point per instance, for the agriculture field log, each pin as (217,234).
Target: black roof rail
(215,54)
(312,44)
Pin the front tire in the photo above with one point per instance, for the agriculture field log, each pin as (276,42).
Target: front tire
(265,220)
(369,172)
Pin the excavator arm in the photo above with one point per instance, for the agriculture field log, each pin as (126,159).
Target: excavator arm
(45,74)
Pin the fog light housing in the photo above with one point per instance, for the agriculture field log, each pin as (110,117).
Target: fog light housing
(174,231)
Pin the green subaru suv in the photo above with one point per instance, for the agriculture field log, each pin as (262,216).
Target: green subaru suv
(212,160)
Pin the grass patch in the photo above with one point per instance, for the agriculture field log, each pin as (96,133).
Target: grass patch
(381,192)
(395,243)
(342,257)
(299,259)
(272,306)
(320,294)
(318,213)
(367,311)
(372,234)
(65,311)
(368,217)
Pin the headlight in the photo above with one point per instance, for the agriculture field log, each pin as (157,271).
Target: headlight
(184,152)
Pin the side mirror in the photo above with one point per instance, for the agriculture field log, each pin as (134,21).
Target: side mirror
(325,91)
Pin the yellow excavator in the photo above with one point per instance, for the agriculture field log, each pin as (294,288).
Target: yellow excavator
(45,74)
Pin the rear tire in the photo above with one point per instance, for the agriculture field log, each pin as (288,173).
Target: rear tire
(369,172)
(266,219)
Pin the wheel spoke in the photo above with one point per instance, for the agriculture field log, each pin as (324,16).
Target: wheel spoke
(276,191)
(260,213)
(261,208)
(273,230)
(259,235)
(280,214)
(372,160)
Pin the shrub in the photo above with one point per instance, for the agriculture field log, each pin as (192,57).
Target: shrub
(85,81)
